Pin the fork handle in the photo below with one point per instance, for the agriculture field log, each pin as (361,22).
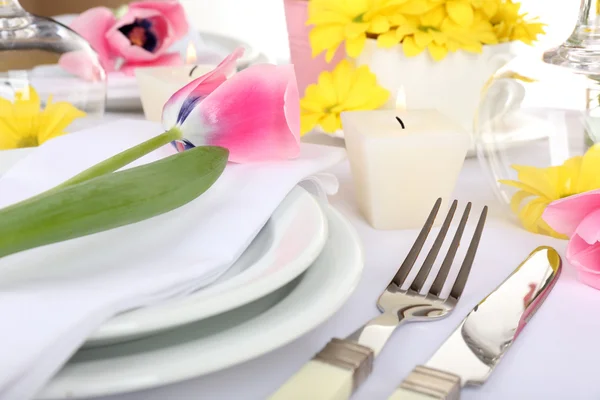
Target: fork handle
(333,374)
(425,383)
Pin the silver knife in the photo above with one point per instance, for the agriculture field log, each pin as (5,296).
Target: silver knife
(472,352)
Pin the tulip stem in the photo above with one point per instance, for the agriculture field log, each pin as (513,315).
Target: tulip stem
(120,160)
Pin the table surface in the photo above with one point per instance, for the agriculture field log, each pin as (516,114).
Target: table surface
(554,358)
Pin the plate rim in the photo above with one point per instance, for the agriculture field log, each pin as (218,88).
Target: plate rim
(241,297)
(279,334)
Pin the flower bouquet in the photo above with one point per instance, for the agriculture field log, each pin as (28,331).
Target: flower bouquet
(432,53)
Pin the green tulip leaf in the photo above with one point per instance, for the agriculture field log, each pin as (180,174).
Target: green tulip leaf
(110,200)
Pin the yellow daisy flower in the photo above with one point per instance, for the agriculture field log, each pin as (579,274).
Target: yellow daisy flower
(417,33)
(538,187)
(346,88)
(24,123)
(472,39)
(487,7)
(349,21)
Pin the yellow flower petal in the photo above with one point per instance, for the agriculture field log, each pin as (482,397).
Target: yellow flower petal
(531,214)
(416,7)
(437,51)
(24,124)
(589,177)
(355,46)
(354,30)
(410,47)
(460,12)
(422,39)
(325,89)
(55,118)
(543,179)
(434,17)
(517,199)
(387,39)
(308,121)
(324,38)
(379,24)
(342,80)
(331,123)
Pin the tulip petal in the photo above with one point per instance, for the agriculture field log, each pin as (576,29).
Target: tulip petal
(199,88)
(584,255)
(565,215)
(79,64)
(171,10)
(92,26)
(121,45)
(254,114)
(589,228)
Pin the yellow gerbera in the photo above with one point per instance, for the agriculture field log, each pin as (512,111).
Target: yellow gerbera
(539,187)
(24,123)
(510,25)
(417,33)
(480,32)
(349,21)
(346,88)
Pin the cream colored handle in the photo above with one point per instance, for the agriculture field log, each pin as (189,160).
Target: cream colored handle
(317,380)
(333,374)
(425,383)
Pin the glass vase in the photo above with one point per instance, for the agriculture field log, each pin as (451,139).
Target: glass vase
(39,56)
(540,113)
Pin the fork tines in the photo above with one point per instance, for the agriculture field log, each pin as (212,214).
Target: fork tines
(440,279)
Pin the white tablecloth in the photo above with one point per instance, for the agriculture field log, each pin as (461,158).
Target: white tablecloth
(555,357)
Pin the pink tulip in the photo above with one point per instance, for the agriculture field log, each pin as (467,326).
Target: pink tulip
(579,218)
(255,114)
(139,38)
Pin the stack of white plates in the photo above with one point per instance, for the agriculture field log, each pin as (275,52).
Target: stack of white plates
(297,272)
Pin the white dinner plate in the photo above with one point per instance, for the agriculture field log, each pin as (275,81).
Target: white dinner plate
(286,246)
(227,339)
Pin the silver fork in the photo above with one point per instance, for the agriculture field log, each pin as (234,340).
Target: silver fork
(337,370)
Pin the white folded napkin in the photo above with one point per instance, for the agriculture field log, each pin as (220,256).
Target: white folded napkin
(53,297)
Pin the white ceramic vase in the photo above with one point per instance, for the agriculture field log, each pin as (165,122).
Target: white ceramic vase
(452,86)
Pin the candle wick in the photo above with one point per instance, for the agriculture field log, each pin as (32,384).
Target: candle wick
(400,121)
(192,71)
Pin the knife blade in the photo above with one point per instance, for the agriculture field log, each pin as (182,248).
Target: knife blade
(478,344)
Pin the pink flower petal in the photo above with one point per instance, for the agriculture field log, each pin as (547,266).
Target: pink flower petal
(589,228)
(565,215)
(583,255)
(586,259)
(121,45)
(79,64)
(92,26)
(248,114)
(199,88)
(575,248)
(171,10)
(167,59)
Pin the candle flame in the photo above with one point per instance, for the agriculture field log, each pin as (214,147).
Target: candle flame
(190,54)
(401,99)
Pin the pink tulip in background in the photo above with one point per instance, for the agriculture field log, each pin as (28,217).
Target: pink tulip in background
(578,217)
(141,37)
(255,114)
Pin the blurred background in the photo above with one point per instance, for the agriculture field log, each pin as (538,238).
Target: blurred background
(262,22)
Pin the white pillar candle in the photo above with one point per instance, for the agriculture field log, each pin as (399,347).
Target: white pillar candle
(158,84)
(399,172)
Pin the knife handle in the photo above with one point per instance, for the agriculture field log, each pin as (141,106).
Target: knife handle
(333,374)
(425,383)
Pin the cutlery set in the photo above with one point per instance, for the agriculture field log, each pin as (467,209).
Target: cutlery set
(471,352)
